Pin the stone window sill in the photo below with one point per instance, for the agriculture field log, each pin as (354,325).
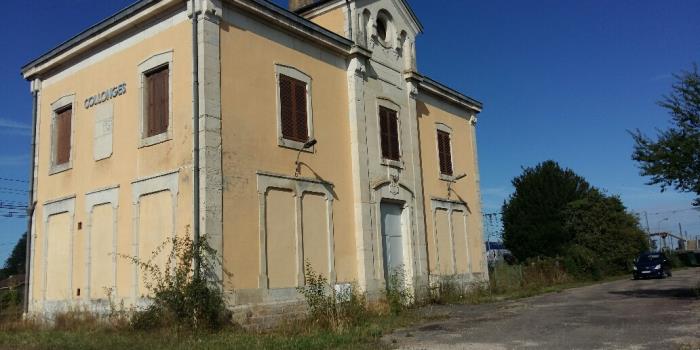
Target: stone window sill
(155,139)
(393,163)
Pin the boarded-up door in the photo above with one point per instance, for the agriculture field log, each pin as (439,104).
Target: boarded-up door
(459,233)
(58,257)
(392,238)
(101,251)
(444,242)
(281,239)
(155,228)
(315,233)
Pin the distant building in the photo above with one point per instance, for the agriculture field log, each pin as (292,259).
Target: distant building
(12,282)
(497,252)
(694,244)
(319,141)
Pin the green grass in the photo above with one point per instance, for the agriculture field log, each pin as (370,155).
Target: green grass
(296,336)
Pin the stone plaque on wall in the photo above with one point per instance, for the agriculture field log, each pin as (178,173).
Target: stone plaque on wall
(104,122)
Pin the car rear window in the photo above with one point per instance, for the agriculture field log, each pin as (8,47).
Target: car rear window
(650,257)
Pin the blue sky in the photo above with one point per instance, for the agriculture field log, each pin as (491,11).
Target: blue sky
(560,80)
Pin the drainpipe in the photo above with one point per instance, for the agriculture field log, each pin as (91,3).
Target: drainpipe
(195,128)
(30,203)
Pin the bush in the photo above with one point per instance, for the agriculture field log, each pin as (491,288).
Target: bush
(505,278)
(328,308)
(542,272)
(10,305)
(532,275)
(449,290)
(688,259)
(179,296)
(677,260)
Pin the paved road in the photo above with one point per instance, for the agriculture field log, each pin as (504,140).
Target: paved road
(628,314)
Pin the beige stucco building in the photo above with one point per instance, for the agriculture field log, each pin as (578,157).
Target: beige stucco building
(318,141)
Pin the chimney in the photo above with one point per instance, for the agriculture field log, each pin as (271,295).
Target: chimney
(294,5)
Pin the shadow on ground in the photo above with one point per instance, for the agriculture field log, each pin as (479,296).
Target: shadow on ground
(673,293)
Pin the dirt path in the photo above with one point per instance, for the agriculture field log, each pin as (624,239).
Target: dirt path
(628,314)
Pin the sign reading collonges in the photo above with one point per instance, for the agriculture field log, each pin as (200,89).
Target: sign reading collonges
(105,95)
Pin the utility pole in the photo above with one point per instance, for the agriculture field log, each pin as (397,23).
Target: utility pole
(651,242)
(646,218)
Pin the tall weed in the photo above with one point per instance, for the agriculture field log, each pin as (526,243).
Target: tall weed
(178,296)
(330,308)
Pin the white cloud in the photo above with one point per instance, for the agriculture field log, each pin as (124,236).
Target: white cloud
(8,123)
(11,127)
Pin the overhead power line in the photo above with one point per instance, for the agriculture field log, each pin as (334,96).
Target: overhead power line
(670,211)
(13,189)
(12,180)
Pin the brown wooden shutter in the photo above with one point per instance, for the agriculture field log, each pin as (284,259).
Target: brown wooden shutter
(293,109)
(444,152)
(157,84)
(389,133)
(63,131)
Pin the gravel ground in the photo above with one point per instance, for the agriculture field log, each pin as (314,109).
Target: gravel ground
(627,314)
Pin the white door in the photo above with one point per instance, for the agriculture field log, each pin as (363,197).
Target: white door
(392,238)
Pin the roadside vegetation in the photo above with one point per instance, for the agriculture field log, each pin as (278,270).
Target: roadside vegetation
(556,214)
(187,314)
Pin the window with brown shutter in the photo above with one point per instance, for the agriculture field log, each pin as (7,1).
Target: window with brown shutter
(293,109)
(389,133)
(444,152)
(62,128)
(157,101)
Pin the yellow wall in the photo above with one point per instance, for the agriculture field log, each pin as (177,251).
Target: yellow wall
(128,162)
(249,132)
(315,228)
(431,112)
(101,254)
(58,258)
(281,239)
(155,227)
(460,242)
(333,20)
(444,242)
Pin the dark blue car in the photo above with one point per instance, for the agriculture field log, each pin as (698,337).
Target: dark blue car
(648,265)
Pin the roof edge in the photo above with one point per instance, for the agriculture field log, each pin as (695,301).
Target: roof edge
(89,32)
(445,92)
(320,3)
(302,24)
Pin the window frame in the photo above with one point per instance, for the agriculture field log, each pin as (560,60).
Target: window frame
(446,129)
(294,73)
(60,105)
(386,18)
(147,66)
(388,104)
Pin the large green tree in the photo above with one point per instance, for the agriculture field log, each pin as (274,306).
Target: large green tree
(533,216)
(15,262)
(605,237)
(672,159)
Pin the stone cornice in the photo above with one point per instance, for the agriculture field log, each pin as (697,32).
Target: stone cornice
(443,92)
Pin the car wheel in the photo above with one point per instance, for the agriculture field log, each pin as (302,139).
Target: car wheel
(635,277)
(669,274)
